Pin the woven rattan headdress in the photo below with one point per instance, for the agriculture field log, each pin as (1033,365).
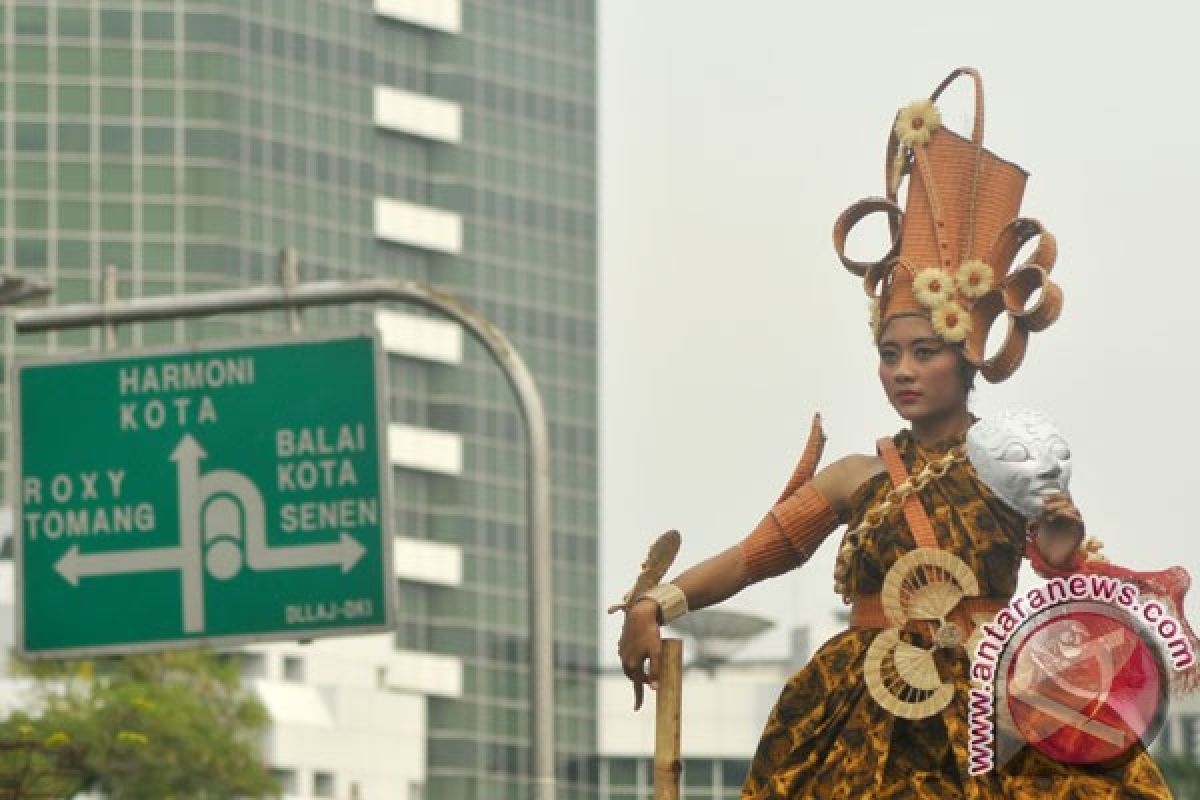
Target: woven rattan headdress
(954,243)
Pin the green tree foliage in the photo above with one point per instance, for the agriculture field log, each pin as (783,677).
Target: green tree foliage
(147,727)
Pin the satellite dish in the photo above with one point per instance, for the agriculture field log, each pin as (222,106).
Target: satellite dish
(719,634)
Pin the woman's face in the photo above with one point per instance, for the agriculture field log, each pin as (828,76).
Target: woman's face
(920,373)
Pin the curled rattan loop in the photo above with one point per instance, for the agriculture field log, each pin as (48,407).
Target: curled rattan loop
(984,315)
(1012,238)
(855,214)
(878,279)
(1021,286)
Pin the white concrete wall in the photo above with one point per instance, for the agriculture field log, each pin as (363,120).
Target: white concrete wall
(440,15)
(418,226)
(354,708)
(723,715)
(425,338)
(371,742)
(425,449)
(418,114)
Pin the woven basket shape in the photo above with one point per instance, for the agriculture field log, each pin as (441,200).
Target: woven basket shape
(950,160)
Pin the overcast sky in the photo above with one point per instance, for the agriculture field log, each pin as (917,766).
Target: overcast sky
(733,134)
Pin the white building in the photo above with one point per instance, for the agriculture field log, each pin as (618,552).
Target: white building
(349,714)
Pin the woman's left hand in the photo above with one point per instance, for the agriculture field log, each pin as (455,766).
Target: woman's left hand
(1059,529)
(1060,517)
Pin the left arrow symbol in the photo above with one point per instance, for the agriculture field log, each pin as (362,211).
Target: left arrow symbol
(74,565)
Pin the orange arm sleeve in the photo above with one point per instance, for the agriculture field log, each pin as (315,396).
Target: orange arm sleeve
(789,534)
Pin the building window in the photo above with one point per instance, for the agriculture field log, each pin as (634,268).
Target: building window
(254,665)
(322,784)
(293,669)
(286,779)
(733,773)
(698,773)
(622,772)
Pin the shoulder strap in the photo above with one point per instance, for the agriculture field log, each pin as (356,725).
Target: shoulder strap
(914,512)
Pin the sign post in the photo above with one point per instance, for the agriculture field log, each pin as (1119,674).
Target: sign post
(214,496)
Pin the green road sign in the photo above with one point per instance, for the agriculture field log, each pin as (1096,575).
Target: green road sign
(209,496)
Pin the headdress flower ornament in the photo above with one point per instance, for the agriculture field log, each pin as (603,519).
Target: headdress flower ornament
(974,278)
(915,125)
(954,243)
(951,322)
(917,121)
(933,287)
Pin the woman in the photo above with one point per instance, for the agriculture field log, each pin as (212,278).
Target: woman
(845,726)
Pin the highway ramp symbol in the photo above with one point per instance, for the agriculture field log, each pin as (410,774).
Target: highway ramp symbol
(205,501)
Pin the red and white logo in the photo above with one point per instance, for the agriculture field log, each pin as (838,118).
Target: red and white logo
(1083,684)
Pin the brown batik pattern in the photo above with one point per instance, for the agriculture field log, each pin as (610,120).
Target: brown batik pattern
(827,738)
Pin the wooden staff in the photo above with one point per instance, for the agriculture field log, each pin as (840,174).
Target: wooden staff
(667,705)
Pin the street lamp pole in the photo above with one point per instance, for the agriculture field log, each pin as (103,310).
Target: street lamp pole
(325,293)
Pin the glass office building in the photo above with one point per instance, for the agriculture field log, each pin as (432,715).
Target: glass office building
(445,141)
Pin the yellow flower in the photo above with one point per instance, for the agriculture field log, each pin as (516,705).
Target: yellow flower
(951,322)
(933,287)
(916,122)
(57,739)
(974,278)
(25,730)
(132,737)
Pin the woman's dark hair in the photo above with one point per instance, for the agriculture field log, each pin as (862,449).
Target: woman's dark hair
(966,370)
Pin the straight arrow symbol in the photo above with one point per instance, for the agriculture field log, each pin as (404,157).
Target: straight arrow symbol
(187,457)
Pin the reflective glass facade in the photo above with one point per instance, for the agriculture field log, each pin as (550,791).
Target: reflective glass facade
(187,142)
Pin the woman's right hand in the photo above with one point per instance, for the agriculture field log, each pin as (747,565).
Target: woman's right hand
(640,643)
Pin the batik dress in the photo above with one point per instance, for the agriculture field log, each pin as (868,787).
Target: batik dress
(827,737)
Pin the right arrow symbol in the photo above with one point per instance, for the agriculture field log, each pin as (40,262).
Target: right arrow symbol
(346,552)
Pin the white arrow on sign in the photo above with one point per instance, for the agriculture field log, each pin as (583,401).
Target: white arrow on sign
(187,457)
(345,551)
(194,491)
(74,565)
(259,555)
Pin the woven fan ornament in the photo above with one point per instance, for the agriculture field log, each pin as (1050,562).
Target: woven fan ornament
(924,584)
(917,692)
(953,245)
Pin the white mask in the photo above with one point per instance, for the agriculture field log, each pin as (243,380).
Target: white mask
(1021,457)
